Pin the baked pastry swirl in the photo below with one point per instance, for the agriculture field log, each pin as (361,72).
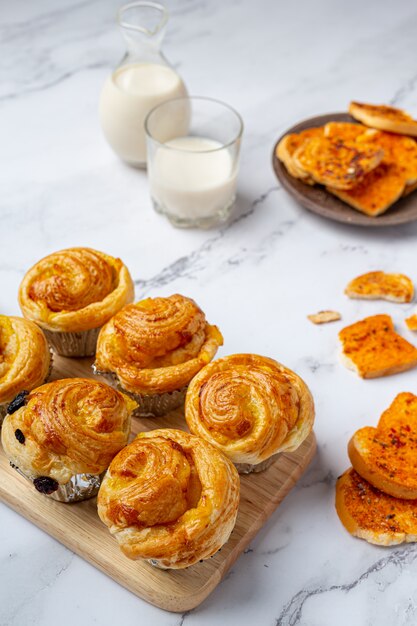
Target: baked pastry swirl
(72,293)
(250,407)
(25,358)
(154,347)
(69,427)
(169,497)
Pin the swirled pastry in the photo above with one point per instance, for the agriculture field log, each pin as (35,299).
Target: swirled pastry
(157,345)
(75,291)
(25,359)
(250,407)
(64,428)
(170,497)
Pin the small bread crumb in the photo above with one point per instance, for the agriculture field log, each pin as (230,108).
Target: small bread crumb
(412,322)
(323,317)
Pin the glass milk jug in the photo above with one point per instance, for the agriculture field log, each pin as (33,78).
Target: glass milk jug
(143,80)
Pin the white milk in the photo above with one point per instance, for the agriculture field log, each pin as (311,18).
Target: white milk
(127,97)
(189,183)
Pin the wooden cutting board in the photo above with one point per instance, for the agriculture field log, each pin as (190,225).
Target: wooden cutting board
(78,527)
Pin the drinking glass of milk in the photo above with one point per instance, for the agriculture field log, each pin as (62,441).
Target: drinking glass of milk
(193,174)
(143,80)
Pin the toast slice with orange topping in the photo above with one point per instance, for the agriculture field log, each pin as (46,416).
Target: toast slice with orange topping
(381,286)
(402,151)
(335,162)
(289,144)
(372,348)
(369,514)
(384,117)
(386,456)
(344,130)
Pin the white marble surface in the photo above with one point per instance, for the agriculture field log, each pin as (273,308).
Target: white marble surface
(277,63)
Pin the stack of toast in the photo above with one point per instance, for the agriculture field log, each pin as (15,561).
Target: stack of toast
(376,499)
(369,164)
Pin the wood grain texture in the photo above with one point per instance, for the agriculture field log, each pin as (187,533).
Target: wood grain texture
(78,527)
(319,201)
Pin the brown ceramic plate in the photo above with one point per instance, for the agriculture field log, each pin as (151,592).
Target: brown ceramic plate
(318,200)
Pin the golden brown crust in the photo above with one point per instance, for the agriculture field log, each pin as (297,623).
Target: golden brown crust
(170,497)
(384,117)
(381,286)
(337,163)
(75,290)
(289,144)
(372,348)
(25,358)
(369,514)
(70,426)
(344,130)
(157,345)
(324,317)
(386,456)
(250,407)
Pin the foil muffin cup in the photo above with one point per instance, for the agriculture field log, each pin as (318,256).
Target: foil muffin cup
(77,344)
(248,468)
(149,405)
(79,487)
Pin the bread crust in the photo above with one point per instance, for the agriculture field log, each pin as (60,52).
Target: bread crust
(289,144)
(380,285)
(170,497)
(369,514)
(250,407)
(384,117)
(75,290)
(372,348)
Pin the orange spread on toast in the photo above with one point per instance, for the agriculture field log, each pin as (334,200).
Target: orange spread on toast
(372,348)
(379,285)
(386,456)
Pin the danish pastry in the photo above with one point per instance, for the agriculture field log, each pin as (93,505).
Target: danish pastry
(25,358)
(70,294)
(63,435)
(251,408)
(153,348)
(169,497)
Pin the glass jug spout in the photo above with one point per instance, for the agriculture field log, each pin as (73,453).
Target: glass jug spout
(143,26)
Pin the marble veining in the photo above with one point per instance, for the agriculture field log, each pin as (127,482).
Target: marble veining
(257,277)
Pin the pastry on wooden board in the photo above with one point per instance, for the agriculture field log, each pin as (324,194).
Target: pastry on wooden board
(372,348)
(63,435)
(380,285)
(384,117)
(370,514)
(70,294)
(337,163)
(251,408)
(153,348)
(25,358)
(171,498)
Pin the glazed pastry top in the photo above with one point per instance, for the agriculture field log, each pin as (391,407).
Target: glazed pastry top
(75,290)
(170,496)
(25,358)
(67,427)
(250,407)
(157,345)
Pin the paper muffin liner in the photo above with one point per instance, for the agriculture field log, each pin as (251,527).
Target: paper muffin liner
(248,468)
(79,487)
(77,344)
(149,405)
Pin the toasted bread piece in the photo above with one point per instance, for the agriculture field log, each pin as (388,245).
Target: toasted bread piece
(411,322)
(323,317)
(335,162)
(381,286)
(372,348)
(397,149)
(376,192)
(289,144)
(369,514)
(384,117)
(386,456)
(344,130)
